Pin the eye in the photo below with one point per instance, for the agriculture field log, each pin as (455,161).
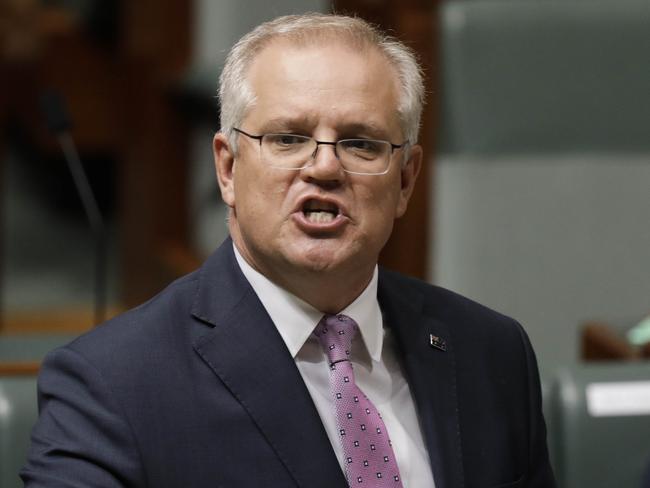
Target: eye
(285,140)
(365,148)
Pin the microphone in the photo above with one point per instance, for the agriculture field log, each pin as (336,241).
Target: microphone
(59,123)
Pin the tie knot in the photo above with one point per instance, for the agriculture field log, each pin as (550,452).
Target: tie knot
(335,333)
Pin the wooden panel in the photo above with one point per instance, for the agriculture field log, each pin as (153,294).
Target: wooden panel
(118,94)
(88,76)
(153,179)
(51,320)
(19,368)
(414,23)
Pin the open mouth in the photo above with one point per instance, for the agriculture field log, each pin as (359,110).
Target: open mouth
(319,212)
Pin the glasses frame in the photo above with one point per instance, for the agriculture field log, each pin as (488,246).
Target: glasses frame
(309,162)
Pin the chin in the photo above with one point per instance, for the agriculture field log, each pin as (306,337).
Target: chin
(316,261)
(324,255)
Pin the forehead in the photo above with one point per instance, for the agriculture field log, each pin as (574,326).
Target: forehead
(324,81)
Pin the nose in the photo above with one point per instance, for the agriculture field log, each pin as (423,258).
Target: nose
(325,165)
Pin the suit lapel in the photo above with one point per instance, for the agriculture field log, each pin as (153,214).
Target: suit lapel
(431,375)
(248,354)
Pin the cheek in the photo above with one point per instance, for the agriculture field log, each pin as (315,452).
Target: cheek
(261,192)
(380,202)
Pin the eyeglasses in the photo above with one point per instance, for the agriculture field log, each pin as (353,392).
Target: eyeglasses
(295,152)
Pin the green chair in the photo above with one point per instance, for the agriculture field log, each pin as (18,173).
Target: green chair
(18,412)
(601,420)
(30,348)
(20,357)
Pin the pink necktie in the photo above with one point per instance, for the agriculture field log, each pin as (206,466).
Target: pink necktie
(369,457)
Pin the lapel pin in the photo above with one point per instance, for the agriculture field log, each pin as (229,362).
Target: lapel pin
(437,342)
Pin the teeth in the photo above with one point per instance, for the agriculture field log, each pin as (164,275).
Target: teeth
(319,217)
(319,206)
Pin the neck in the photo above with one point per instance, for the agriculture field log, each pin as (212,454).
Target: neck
(326,292)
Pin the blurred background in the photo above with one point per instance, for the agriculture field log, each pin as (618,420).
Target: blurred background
(534,199)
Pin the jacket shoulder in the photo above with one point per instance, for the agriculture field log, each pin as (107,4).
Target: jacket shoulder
(162,320)
(441,303)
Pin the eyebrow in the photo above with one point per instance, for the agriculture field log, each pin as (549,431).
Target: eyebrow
(297,124)
(364,129)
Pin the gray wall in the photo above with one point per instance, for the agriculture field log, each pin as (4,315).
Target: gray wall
(542,188)
(552,241)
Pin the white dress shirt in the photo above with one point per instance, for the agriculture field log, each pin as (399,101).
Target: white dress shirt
(376,369)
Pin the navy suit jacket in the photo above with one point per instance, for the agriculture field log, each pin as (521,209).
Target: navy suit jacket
(196,388)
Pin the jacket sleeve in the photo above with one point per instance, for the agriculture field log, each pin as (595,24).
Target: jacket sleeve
(82,437)
(540,473)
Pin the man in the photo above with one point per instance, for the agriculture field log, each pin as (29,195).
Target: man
(289,359)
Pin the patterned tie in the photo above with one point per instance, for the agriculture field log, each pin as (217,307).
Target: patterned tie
(369,457)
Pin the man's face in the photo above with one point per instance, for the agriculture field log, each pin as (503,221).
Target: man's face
(329,93)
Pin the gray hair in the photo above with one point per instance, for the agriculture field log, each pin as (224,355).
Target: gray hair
(236,95)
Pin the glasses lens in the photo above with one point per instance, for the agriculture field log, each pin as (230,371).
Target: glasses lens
(287,150)
(364,156)
(292,151)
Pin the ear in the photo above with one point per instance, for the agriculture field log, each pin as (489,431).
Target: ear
(409,174)
(224,163)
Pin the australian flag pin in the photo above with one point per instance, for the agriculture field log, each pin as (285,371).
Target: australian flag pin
(437,342)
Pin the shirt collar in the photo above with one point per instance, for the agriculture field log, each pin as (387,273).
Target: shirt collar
(295,319)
